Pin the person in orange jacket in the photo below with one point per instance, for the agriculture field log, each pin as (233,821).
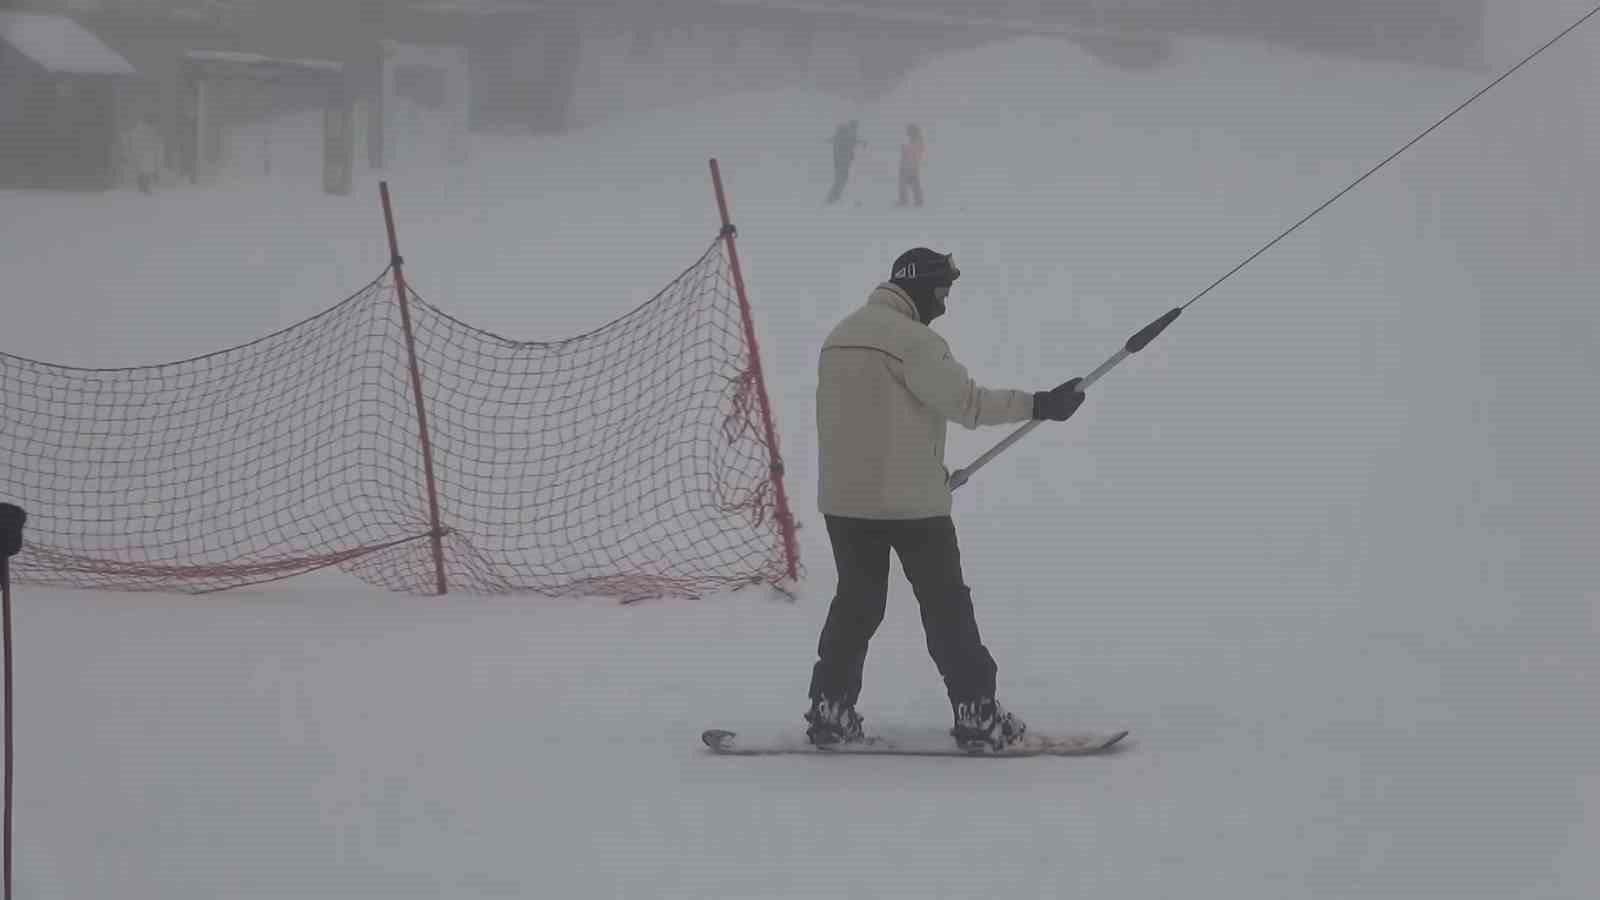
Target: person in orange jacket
(911,155)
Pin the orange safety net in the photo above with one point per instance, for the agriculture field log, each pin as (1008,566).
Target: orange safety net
(630,461)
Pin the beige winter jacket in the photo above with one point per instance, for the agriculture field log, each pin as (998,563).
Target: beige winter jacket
(886,386)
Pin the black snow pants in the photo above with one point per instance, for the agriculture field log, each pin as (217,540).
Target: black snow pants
(932,563)
(841,173)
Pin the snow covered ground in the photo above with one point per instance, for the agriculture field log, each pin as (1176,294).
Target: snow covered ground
(1327,547)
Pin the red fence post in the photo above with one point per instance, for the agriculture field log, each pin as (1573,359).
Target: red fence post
(416,388)
(785,517)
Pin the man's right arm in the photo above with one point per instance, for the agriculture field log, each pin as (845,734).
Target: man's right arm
(944,386)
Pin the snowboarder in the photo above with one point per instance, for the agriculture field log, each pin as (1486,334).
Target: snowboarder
(886,387)
(846,138)
(911,154)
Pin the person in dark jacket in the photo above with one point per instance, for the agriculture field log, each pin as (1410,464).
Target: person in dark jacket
(887,385)
(846,138)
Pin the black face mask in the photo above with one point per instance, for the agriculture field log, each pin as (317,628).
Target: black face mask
(926,277)
(929,304)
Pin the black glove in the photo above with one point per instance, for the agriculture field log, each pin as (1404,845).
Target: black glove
(1058,405)
(11,519)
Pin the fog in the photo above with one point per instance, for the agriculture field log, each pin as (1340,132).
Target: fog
(547,67)
(445,70)
(1326,547)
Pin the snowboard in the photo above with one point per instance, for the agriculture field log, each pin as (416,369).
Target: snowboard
(931,743)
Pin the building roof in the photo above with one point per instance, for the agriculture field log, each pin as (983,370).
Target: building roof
(256,59)
(60,45)
(473,7)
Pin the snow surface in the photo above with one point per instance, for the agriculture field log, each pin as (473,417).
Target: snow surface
(1326,547)
(61,45)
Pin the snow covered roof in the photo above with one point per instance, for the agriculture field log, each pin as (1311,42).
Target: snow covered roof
(61,45)
(256,59)
(474,7)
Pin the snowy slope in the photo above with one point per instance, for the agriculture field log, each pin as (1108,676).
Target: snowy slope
(1326,547)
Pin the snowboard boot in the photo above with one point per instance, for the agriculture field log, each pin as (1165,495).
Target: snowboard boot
(983,725)
(830,722)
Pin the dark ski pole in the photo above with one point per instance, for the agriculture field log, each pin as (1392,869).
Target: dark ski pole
(11,520)
(1148,333)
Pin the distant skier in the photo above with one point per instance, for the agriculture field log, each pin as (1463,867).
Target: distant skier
(846,138)
(886,387)
(911,155)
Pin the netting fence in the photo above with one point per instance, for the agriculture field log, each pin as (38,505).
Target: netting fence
(630,461)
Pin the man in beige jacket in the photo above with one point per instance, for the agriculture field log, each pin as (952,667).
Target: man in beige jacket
(887,386)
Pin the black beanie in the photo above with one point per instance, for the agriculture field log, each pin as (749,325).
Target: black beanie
(921,267)
(920,272)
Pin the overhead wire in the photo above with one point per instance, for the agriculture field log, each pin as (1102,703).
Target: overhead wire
(1148,333)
